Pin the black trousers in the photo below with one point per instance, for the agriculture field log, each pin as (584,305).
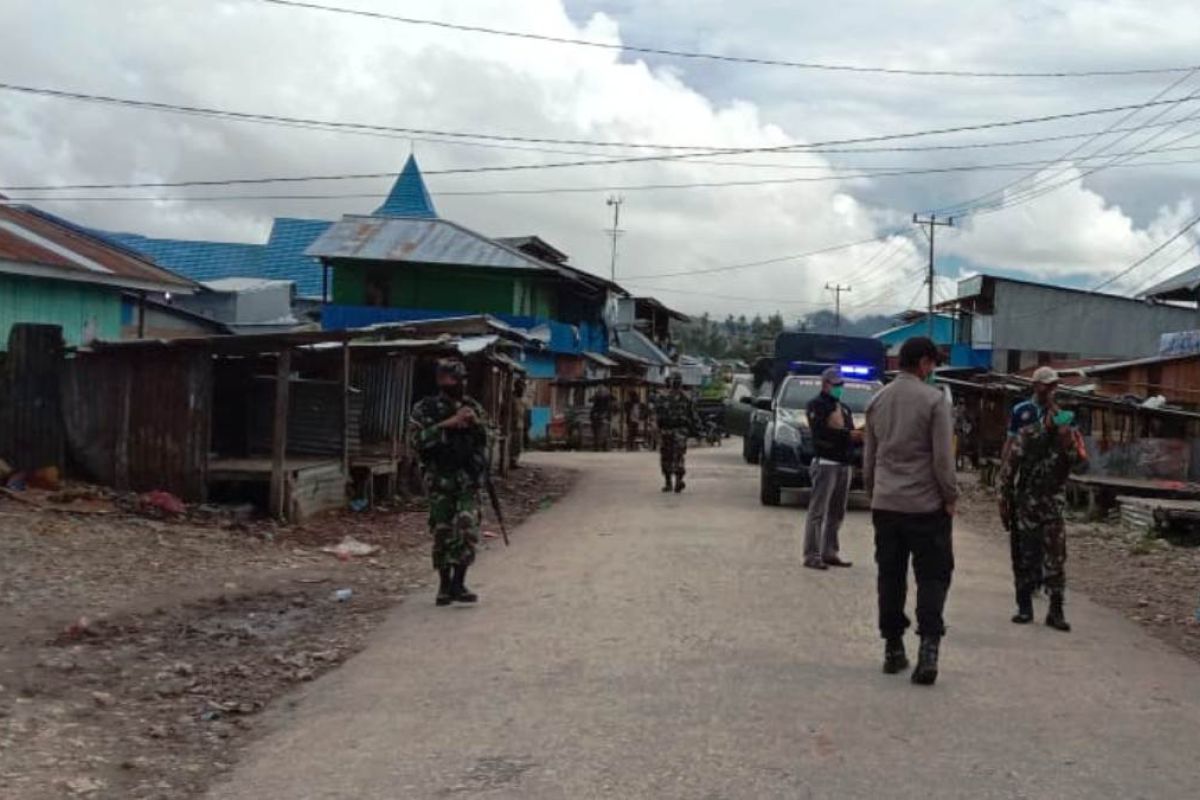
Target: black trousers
(927,538)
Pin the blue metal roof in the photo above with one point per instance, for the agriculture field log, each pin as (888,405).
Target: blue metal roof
(284,258)
(409,196)
(200,261)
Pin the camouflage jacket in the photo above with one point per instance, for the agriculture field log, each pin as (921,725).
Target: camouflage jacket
(676,411)
(449,456)
(1036,466)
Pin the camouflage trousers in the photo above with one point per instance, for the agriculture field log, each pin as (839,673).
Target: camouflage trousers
(454,523)
(1039,554)
(672,452)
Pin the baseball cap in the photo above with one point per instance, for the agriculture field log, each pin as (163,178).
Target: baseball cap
(833,375)
(1045,375)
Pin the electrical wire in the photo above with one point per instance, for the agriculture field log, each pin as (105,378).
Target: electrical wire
(999,192)
(1153,279)
(863,171)
(765,262)
(660,51)
(548,190)
(694,151)
(1178,234)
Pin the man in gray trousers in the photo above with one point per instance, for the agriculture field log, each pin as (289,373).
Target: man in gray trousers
(834,436)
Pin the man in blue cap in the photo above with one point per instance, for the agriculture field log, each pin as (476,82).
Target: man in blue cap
(834,437)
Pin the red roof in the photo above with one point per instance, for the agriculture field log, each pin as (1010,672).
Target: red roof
(37,244)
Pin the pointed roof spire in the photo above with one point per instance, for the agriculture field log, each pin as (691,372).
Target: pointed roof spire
(409,197)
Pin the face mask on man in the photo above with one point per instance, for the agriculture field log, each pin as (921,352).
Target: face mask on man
(454,390)
(836,392)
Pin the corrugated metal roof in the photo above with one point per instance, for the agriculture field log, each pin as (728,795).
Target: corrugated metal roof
(409,196)
(35,240)
(1178,287)
(285,257)
(420,241)
(640,345)
(198,260)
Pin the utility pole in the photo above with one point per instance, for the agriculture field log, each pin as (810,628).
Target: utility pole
(934,223)
(615,202)
(837,290)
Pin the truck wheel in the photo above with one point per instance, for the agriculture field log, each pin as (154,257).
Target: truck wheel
(769,492)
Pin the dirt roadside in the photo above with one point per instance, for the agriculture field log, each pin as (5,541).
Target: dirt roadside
(1151,581)
(136,653)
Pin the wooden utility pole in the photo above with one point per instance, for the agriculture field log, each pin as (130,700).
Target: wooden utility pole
(934,223)
(837,290)
(615,203)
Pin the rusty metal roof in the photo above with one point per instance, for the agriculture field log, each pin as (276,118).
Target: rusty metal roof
(420,241)
(41,245)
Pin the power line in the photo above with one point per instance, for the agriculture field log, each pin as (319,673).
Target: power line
(1148,256)
(695,151)
(720,296)
(764,262)
(960,208)
(572,189)
(1149,282)
(759,61)
(863,171)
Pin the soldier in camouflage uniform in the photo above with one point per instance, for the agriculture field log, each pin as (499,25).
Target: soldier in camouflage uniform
(449,435)
(676,421)
(1041,451)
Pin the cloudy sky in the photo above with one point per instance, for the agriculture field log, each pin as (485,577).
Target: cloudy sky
(1077,221)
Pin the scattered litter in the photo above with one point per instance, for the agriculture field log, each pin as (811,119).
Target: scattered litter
(350,547)
(45,478)
(359,504)
(343,595)
(162,503)
(490,534)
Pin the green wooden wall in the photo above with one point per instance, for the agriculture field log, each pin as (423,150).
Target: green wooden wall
(440,287)
(75,306)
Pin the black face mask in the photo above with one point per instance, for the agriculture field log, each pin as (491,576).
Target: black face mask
(454,390)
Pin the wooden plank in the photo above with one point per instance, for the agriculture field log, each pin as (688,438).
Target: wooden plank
(346,407)
(278,495)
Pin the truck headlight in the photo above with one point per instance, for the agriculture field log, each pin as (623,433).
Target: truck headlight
(787,434)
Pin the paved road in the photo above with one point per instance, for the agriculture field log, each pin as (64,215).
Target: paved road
(638,645)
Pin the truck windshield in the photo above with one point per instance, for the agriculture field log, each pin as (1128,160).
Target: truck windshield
(797,393)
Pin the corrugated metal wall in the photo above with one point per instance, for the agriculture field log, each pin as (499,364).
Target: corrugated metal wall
(31,429)
(141,420)
(1039,318)
(386,386)
(314,418)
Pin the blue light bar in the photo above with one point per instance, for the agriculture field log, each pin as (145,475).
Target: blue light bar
(857,371)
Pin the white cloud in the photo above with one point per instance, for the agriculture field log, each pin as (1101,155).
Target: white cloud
(246,55)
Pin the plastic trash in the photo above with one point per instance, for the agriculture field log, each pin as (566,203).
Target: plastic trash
(350,546)
(359,504)
(343,595)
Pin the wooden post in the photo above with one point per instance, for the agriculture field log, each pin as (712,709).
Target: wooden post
(346,409)
(141,312)
(283,369)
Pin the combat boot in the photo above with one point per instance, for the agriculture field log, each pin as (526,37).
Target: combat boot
(679,484)
(1024,613)
(1055,617)
(667,483)
(458,588)
(894,658)
(926,671)
(444,584)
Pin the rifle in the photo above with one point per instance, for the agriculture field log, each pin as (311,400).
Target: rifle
(491,493)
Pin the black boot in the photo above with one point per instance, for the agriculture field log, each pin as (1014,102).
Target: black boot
(667,484)
(444,587)
(894,658)
(458,588)
(679,484)
(1055,617)
(926,671)
(1024,613)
